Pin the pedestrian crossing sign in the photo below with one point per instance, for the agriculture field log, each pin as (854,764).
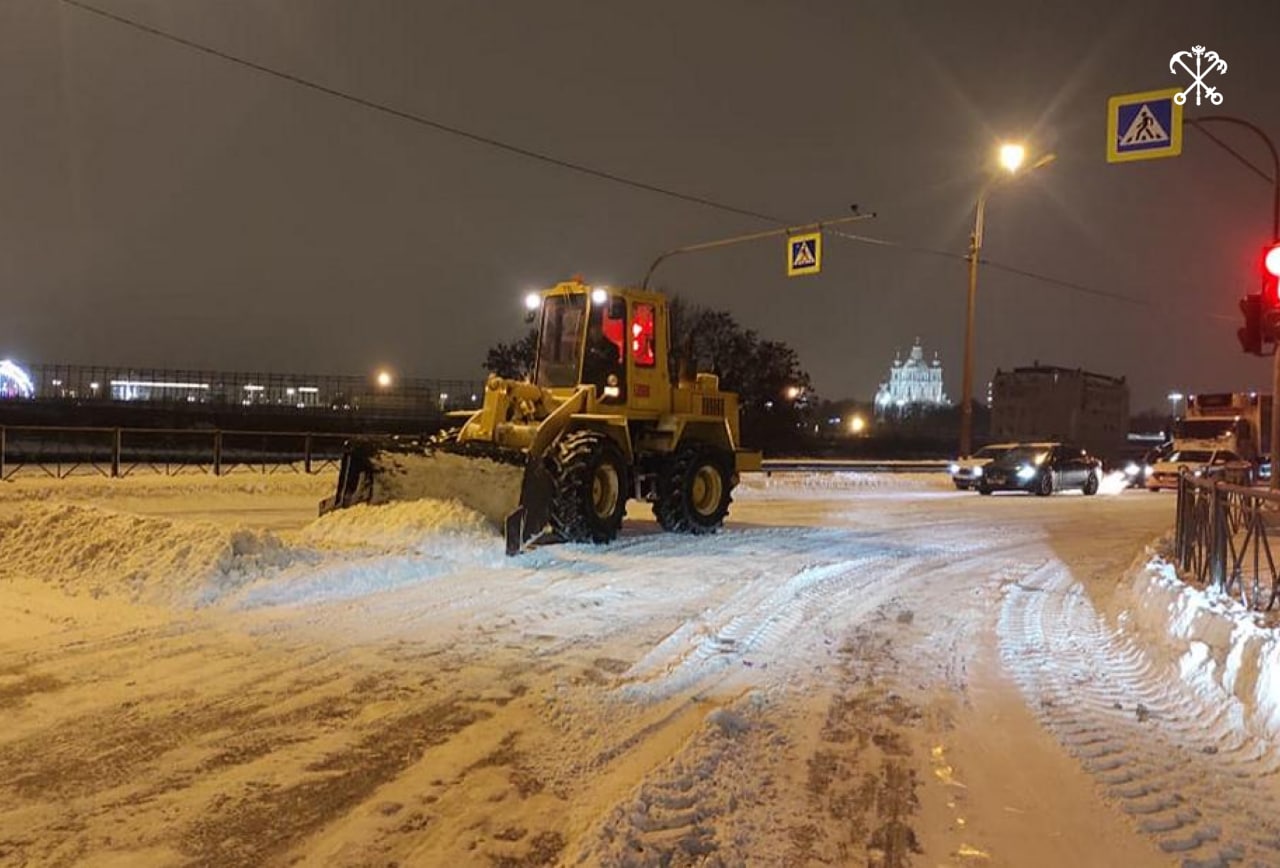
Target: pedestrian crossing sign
(1144,126)
(804,254)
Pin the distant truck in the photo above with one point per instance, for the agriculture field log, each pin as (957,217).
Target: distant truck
(1236,421)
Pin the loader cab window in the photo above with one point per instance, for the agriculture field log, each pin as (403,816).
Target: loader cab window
(560,341)
(604,363)
(642,336)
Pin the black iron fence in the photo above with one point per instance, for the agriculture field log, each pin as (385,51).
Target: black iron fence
(1223,538)
(58,452)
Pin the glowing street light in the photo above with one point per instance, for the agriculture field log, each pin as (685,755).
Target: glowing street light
(1011,158)
(1012,155)
(793,392)
(384,378)
(857,425)
(1174,398)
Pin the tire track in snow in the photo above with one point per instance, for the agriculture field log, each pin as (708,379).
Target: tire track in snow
(753,621)
(1172,762)
(687,810)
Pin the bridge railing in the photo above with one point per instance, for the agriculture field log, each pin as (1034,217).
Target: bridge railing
(1225,534)
(59,452)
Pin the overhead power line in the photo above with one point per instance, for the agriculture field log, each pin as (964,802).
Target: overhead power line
(549,159)
(419,119)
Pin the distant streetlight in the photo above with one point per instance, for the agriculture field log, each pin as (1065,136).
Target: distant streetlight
(793,392)
(1011,157)
(384,379)
(1174,398)
(857,424)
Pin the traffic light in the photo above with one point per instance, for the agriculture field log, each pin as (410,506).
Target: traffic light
(1251,333)
(1271,274)
(1269,297)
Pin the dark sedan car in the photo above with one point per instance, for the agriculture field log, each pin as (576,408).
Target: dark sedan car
(1042,468)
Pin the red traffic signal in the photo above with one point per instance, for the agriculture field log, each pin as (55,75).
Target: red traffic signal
(1270,263)
(1271,260)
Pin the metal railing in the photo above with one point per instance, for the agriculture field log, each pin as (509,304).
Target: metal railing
(1223,538)
(856,465)
(60,452)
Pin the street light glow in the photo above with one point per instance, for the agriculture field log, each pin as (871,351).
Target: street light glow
(384,378)
(857,424)
(532,301)
(1011,156)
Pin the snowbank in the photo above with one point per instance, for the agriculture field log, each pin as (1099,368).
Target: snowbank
(394,525)
(90,551)
(1219,648)
(85,550)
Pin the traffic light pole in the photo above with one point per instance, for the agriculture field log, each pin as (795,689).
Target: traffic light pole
(1275,237)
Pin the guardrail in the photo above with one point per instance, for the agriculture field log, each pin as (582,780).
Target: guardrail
(59,452)
(1223,538)
(831,465)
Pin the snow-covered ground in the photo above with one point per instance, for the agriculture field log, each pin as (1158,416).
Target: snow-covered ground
(861,669)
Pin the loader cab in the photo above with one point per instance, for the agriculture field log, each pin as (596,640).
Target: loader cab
(582,341)
(609,339)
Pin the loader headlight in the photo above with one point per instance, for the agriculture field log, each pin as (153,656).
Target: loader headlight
(1025,472)
(532,301)
(599,296)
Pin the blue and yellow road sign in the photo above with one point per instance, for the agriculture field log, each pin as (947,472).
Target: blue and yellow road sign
(804,254)
(1144,126)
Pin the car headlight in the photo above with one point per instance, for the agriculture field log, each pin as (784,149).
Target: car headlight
(977,471)
(1025,472)
(954,468)
(1131,469)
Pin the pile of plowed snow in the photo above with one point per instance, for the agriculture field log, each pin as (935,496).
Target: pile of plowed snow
(90,551)
(1222,650)
(84,550)
(405,524)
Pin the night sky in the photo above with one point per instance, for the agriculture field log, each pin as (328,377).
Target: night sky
(163,207)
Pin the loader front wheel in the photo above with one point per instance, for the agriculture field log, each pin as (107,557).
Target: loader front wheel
(590,488)
(694,491)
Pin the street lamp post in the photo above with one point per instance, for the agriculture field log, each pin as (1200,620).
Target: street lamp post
(1174,398)
(1011,159)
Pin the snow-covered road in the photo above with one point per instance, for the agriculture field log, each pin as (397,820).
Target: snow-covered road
(863,669)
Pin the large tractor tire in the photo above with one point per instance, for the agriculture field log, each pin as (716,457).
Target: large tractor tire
(694,490)
(590,496)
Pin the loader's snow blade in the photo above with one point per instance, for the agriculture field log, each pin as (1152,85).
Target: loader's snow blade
(499,487)
(531,516)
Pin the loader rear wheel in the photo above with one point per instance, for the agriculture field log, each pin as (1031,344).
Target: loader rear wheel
(590,488)
(694,491)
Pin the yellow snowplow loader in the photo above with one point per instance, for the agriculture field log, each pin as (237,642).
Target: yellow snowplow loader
(600,421)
